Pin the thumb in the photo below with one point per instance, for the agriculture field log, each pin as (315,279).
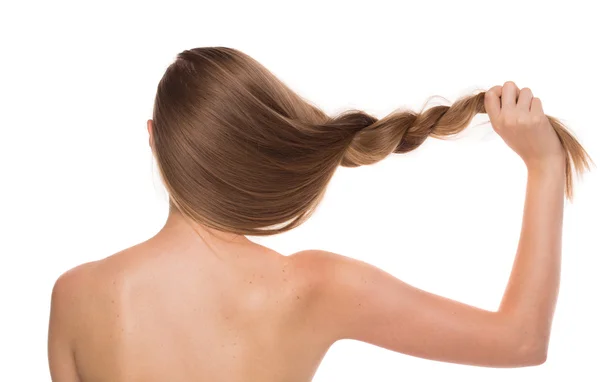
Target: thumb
(492,102)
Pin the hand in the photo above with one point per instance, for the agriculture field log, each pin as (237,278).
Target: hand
(519,119)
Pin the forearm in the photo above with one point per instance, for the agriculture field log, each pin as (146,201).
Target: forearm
(532,289)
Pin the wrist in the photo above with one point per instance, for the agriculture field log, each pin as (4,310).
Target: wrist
(552,165)
(547,176)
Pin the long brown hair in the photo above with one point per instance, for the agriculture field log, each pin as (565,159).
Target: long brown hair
(239,151)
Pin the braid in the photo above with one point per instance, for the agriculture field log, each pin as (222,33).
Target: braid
(239,151)
(372,140)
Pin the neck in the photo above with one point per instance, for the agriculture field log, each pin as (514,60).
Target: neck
(178,224)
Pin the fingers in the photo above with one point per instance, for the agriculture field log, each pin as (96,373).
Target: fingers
(509,95)
(524,99)
(536,106)
(492,101)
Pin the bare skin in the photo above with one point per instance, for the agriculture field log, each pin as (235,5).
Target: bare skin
(185,305)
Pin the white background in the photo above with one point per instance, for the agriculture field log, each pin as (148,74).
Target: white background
(78,184)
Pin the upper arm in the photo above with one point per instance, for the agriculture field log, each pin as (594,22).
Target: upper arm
(356,300)
(63,312)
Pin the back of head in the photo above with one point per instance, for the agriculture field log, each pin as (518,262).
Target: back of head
(237,150)
(240,152)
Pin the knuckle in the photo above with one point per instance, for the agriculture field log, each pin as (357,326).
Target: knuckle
(493,91)
(509,120)
(523,120)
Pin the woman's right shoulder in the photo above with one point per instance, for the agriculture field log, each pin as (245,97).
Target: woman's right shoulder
(320,266)
(332,284)
(315,267)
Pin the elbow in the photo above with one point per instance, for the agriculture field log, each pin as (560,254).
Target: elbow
(527,345)
(532,355)
(541,359)
(536,358)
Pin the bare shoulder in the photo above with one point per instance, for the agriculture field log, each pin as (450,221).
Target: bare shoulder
(78,280)
(337,287)
(80,288)
(317,260)
(325,269)
(69,286)
(68,300)
(313,268)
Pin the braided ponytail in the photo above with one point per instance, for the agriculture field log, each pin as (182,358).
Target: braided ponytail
(239,151)
(405,131)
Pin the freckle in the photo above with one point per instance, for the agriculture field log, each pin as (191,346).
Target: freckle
(250,282)
(359,304)
(113,301)
(284,279)
(297,297)
(283,270)
(262,277)
(235,343)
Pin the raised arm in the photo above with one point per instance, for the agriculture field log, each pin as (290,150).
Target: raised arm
(355,300)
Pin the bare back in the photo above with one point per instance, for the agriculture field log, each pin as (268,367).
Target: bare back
(157,312)
(177,308)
